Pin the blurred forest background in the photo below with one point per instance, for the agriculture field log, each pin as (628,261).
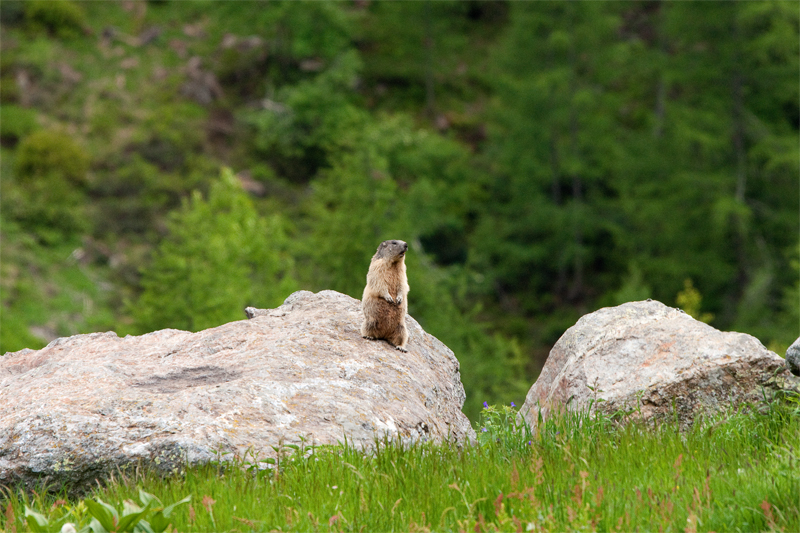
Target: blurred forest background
(166,163)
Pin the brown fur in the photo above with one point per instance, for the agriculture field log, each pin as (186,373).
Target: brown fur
(384,301)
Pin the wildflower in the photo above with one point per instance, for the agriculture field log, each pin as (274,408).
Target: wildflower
(58,504)
(484,430)
(485,405)
(558,432)
(530,443)
(208,503)
(513,404)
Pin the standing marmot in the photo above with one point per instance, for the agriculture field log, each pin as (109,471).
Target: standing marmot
(384,301)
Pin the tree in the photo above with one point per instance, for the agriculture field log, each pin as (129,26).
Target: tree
(553,153)
(218,257)
(638,145)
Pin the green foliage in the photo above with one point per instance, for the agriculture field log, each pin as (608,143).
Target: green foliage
(633,289)
(689,299)
(161,517)
(219,257)
(390,180)
(619,141)
(102,517)
(309,120)
(171,136)
(544,221)
(279,45)
(491,366)
(320,30)
(501,425)
(790,307)
(572,472)
(16,122)
(63,18)
(15,334)
(432,64)
(47,194)
(40,523)
(131,199)
(143,178)
(52,154)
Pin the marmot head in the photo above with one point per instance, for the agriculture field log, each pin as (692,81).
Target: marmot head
(393,250)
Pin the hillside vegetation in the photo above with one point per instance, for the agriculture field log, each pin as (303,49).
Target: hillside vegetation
(166,163)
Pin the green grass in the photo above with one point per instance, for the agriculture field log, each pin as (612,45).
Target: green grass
(739,472)
(48,286)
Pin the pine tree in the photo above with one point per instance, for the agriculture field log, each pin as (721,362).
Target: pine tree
(219,256)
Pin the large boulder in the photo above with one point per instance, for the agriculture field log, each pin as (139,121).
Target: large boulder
(85,405)
(647,360)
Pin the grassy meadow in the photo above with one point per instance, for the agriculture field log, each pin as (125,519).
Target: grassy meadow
(738,472)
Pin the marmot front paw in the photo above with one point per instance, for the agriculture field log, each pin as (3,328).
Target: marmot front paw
(401,349)
(389,299)
(368,337)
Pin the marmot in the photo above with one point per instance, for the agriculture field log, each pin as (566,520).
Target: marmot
(384,302)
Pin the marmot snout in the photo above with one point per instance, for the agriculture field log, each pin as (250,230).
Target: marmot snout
(384,301)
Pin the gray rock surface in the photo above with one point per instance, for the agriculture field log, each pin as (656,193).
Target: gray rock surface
(793,357)
(649,358)
(85,405)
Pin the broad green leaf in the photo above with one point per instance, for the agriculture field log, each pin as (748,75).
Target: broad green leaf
(130,507)
(96,527)
(161,519)
(143,527)
(146,497)
(36,521)
(129,520)
(105,515)
(158,522)
(168,509)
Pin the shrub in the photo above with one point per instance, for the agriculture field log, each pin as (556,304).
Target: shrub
(51,209)
(15,123)
(47,195)
(53,154)
(59,17)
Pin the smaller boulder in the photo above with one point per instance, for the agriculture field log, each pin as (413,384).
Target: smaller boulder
(646,360)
